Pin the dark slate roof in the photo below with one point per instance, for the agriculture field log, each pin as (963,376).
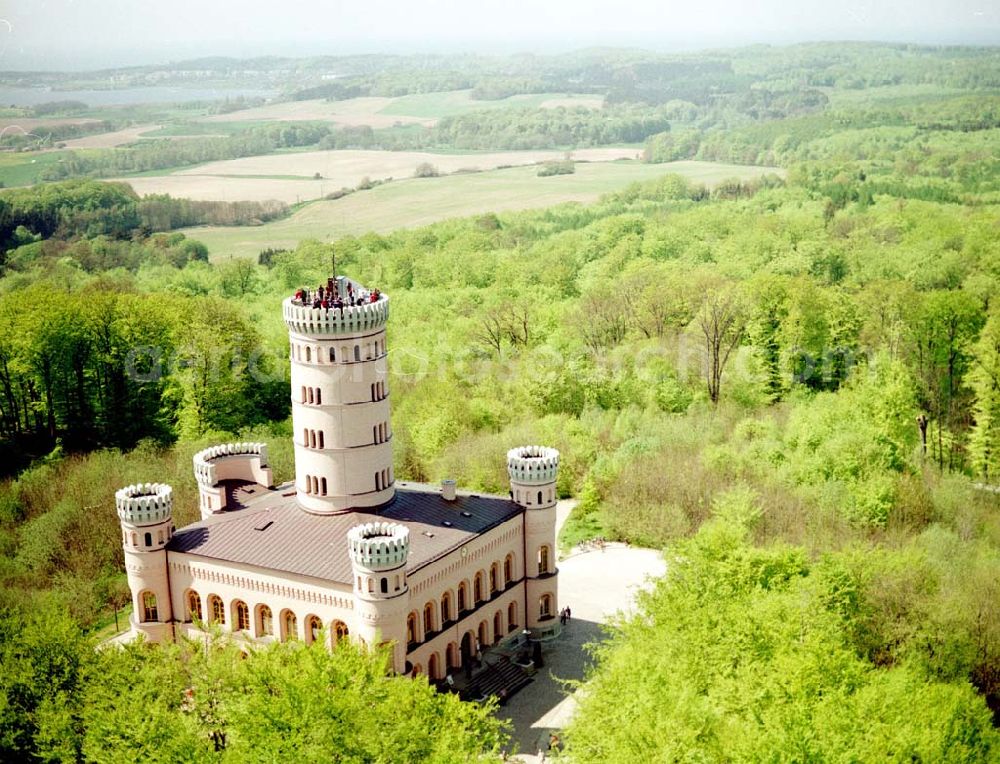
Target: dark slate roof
(272,531)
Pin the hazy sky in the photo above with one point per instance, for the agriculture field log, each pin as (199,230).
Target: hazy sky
(47,34)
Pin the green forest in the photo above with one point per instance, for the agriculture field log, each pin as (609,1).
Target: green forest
(791,386)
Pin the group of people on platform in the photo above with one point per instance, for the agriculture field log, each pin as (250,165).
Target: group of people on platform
(329,298)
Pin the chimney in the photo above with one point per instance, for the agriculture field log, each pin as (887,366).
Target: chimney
(448,490)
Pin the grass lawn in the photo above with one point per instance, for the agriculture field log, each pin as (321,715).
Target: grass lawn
(105,627)
(23,169)
(415,202)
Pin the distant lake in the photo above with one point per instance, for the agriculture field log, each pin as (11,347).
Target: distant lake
(125,96)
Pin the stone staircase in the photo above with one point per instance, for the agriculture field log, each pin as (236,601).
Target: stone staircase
(500,678)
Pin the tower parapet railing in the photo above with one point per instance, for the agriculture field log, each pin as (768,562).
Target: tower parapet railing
(144,503)
(343,306)
(533,464)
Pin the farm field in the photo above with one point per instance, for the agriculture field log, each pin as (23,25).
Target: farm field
(289,177)
(25,168)
(110,140)
(380,112)
(416,202)
(32,124)
(350,112)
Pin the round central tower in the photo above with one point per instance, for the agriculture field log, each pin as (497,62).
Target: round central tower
(340,396)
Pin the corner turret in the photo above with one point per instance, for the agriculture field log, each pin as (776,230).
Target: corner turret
(533,471)
(229,461)
(379,552)
(146,514)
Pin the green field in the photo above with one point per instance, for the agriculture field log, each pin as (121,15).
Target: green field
(25,168)
(415,202)
(454,102)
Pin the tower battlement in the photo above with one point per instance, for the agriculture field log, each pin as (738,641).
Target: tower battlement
(533,464)
(342,307)
(379,546)
(145,503)
(206,461)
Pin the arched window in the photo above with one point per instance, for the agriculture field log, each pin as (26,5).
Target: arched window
(312,439)
(384,587)
(216,609)
(357,352)
(511,616)
(321,439)
(314,627)
(446,607)
(309,395)
(148,539)
(308,354)
(305,437)
(543,560)
(508,569)
(539,497)
(135,539)
(373,392)
(371,585)
(319,396)
(411,629)
(478,587)
(497,626)
(322,486)
(463,597)
(494,574)
(484,636)
(289,626)
(264,626)
(428,618)
(545,606)
(333,356)
(339,631)
(193,606)
(149,613)
(315,484)
(241,616)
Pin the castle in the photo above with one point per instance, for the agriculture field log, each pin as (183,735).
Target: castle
(346,551)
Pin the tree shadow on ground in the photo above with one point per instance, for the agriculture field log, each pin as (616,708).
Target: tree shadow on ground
(542,708)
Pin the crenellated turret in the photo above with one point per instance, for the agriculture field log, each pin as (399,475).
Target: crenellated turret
(379,552)
(146,514)
(533,471)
